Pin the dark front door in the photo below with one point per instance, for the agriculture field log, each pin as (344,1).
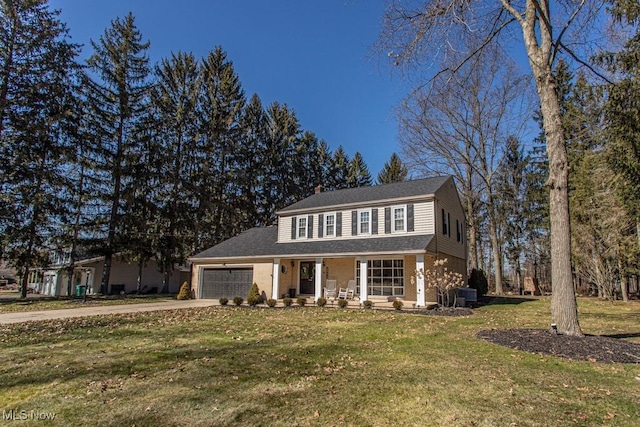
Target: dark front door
(307,277)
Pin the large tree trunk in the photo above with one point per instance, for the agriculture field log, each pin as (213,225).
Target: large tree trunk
(564,310)
(538,42)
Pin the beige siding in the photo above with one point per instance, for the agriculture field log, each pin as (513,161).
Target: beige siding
(424,222)
(447,199)
(423,218)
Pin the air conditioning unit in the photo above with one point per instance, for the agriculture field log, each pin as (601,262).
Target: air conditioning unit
(469,294)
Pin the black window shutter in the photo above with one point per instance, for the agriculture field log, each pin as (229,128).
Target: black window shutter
(449,223)
(354,223)
(410,221)
(457,230)
(338,224)
(444,222)
(387,220)
(294,225)
(374,221)
(320,225)
(310,227)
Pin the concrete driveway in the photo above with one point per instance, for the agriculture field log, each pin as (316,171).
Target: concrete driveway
(27,316)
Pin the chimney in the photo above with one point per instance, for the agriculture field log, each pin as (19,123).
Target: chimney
(318,189)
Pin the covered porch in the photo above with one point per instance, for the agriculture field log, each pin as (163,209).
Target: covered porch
(378,277)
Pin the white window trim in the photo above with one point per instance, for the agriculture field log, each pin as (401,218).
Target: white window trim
(324,225)
(384,258)
(360,233)
(393,218)
(306,225)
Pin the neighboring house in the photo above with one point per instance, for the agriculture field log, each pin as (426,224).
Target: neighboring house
(379,236)
(88,272)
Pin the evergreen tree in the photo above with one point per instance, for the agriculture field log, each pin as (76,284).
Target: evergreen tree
(251,159)
(511,208)
(281,138)
(622,118)
(220,108)
(339,177)
(37,120)
(116,90)
(358,175)
(393,171)
(172,135)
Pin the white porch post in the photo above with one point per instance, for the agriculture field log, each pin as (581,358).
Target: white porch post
(363,280)
(318,278)
(420,291)
(276,278)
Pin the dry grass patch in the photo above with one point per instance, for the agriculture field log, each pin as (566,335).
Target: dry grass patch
(310,366)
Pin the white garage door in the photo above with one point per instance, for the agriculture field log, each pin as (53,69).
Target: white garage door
(226,282)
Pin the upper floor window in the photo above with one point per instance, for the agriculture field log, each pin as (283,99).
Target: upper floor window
(330,225)
(446,223)
(459,232)
(399,219)
(302,227)
(364,222)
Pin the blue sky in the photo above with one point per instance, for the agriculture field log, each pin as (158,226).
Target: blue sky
(313,55)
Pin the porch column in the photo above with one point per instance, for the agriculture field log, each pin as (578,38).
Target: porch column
(318,278)
(363,280)
(420,291)
(275,278)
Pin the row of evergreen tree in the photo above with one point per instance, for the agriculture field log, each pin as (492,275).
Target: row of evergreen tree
(119,155)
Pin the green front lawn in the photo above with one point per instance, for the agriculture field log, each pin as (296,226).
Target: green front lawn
(312,366)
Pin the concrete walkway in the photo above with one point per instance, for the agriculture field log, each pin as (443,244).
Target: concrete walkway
(27,316)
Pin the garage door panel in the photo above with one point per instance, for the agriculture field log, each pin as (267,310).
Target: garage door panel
(228,283)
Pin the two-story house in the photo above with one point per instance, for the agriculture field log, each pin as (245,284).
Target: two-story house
(379,236)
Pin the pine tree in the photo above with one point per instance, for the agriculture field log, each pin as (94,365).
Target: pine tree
(251,159)
(37,120)
(173,134)
(220,108)
(281,138)
(116,89)
(511,209)
(393,171)
(358,175)
(339,177)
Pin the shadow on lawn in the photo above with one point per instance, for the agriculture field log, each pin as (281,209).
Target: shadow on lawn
(503,300)
(623,336)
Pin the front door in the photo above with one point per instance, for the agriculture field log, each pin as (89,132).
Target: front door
(307,277)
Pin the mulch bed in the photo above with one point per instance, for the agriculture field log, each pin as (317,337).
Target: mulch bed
(588,348)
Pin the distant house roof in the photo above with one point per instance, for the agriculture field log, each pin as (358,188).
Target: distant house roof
(352,196)
(262,243)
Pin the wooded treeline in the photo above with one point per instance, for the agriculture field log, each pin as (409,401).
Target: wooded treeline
(470,121)
(118,155)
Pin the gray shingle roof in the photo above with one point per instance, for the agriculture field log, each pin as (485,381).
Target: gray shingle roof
(262,242)
(414,188)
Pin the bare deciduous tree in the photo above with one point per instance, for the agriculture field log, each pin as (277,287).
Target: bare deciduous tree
(459,125)
(429,31)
